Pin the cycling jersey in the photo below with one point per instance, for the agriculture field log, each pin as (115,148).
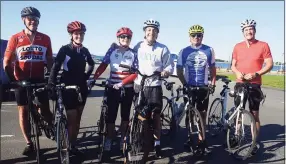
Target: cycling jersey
(114,57)
(196,62)
(74,61)
(30,57)
(153,58)
(250,60)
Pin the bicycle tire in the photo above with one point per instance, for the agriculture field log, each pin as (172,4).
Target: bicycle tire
(214,130)
(63,141)
(233,151)
(35,136)
(102,132)
(135,141)
(167,119)
(194,112)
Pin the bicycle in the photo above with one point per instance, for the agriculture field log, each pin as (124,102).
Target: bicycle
(194,120)
(133,140)
(36,120)
(170,110)
(62,137)
(101,123)
(233,125)
(217,111)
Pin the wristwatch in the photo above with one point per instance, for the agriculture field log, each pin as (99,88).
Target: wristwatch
(256,74)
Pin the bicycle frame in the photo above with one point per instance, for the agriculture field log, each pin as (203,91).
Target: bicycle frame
(224,97)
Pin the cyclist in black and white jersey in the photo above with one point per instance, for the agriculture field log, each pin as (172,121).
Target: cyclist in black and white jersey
(73,57)
(115,56)
(153,56)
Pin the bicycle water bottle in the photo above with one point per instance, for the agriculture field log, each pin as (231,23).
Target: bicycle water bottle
(229,113)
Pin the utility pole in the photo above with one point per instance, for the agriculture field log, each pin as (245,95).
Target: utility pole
(283,63)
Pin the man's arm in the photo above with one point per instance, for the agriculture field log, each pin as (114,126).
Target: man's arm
(212,68)
(49,56)
(268,60)
(8,56)
(168,62)
(180,68)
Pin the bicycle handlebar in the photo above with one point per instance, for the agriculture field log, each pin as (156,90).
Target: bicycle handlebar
(134,70)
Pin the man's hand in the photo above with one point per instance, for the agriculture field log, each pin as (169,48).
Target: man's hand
(239,75)
(117,86)
(90,82)
(165,74)
(249,76)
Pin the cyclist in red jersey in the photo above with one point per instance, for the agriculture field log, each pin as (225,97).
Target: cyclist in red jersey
(247,64)
(30,50)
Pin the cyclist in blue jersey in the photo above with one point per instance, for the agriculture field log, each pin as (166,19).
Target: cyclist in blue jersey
(115,56)
(153,56)
(194,63)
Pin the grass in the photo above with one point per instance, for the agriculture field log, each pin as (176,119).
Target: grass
(275,81)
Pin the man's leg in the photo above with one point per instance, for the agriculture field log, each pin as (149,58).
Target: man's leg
(21,99)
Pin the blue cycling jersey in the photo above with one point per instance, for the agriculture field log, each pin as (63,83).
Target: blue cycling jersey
(196,61)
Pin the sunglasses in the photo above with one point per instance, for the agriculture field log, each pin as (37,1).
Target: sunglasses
(198,35)
(32,18)
(125,36)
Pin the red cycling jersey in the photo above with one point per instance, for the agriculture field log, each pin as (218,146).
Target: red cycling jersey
(250,60)
(29,57)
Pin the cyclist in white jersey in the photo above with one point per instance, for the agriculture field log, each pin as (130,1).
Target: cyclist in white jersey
(153,56)
(194,63)
(115,56)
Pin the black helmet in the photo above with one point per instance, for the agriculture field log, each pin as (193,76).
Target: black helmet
(30,11)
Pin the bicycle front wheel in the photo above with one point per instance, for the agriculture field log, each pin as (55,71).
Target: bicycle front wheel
(214,118)
(35,135)
(102,132)
(241,135)
(63,141)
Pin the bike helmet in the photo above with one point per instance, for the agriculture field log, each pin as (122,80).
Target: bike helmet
(151,23)
(30,11)
(196,29)
(76,26)
(124,30)
(248,23)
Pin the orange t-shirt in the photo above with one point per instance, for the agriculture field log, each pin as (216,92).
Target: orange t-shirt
(250,60)
(29,57)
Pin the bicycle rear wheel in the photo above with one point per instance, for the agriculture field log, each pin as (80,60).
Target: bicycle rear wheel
(167,121)
(35,135)
(63,141)
(241,135)
(214,118)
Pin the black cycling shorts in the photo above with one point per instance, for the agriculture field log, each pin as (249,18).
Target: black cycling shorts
(114,99)
(153,95)
(22,99)
(254,97)
(201,99)
(70,97)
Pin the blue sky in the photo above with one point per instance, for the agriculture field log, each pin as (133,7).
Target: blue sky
(221,21)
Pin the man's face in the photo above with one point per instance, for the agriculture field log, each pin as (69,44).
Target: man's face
(249,33)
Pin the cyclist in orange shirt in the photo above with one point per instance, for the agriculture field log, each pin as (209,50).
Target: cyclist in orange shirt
(31,50)
(247,64)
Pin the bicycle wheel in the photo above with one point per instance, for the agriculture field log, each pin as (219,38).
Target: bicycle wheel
(195,126)
(135,142)
(35,135)
(214,118)
(63,140)
(241,143)
(167,121)
(101,132)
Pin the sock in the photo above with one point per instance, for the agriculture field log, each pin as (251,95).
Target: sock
(157,143)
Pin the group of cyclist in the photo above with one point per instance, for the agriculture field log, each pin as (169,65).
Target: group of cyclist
(31,49)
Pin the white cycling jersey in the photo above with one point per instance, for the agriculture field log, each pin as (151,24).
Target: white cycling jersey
(114,57)
(153,58)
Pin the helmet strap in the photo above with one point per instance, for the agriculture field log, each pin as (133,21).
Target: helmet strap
(28,28)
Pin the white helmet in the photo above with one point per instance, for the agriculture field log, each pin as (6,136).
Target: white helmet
(151,23)
(248,23)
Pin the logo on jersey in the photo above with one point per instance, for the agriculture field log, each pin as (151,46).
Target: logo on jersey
(31,57)
(32,48)
(197,59)
(127,56)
